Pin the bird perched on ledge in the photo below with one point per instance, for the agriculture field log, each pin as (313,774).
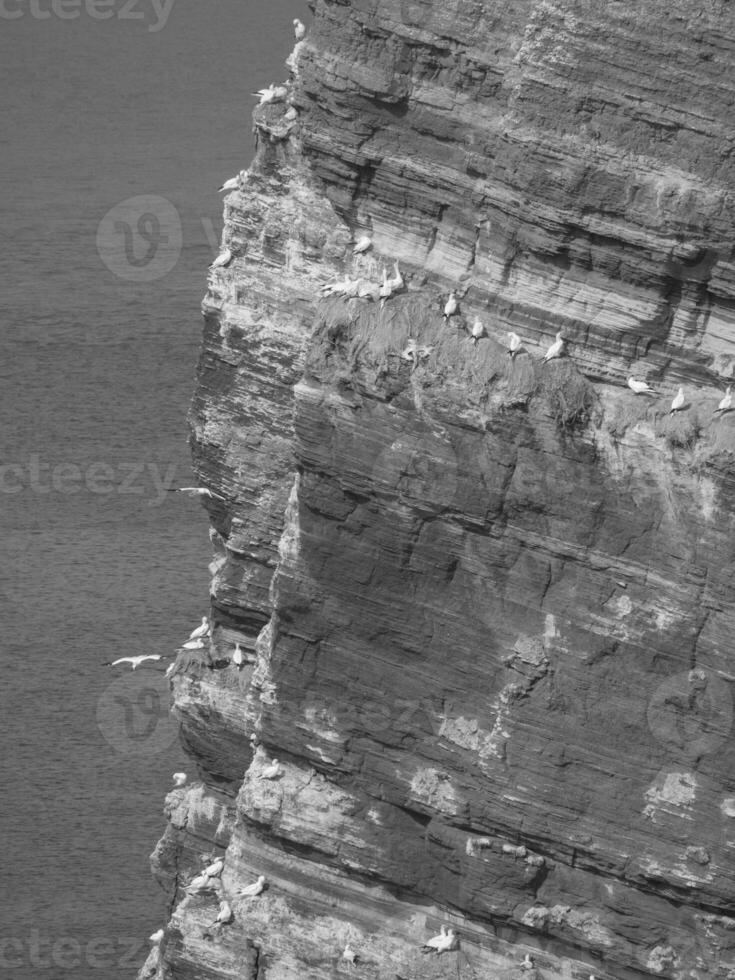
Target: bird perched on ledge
(298,29)
(274,93)
(222,260)
(156,937)
(478,330)
(514,344)
(238,658)
(202,630)
(640,387)
(225,914)
(726,403)
(556,348)
(441,943)
(273,771)
(362,245)
(451,306)
(678,402)
(350,955)
(250,891)
(179,778)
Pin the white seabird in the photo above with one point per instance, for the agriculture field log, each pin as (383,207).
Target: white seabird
(156,937)
(223,259)
(726,403)
(133,661)
(298,29)
(200,883)
(238,657)
(678,402)
(514,343)
(451,306)
(397,282)
(556,348)
(197,644)
(440,943)
(195,492)
(640,387)
(273,771)
(214,870)
(250,891)
(200,630)
(224,915)
(274,93)
(230,185)
(179,778)
(362,245)
(349,954)
(478,330)
(527,963)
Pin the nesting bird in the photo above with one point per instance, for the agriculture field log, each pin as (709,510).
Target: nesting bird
(556,348)
(214,870)
(451,306)
(726,403)
(527,963)
(478,330)
(200,630)
(362,245)
(640,387)
(273,771)
(237,657)
(156,937)
(225,914)
(514,344)
(298,29)
(222,260)
(349,954)
(197,644)
(678,402)
(179,778)
(250,891)
(441,943)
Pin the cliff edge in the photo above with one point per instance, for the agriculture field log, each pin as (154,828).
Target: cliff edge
(485,602)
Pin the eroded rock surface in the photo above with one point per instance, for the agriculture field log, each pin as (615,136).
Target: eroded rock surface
(486,602)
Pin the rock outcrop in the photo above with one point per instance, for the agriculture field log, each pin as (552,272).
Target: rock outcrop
(486,602)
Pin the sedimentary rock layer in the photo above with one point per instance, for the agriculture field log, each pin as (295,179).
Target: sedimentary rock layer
(486,601)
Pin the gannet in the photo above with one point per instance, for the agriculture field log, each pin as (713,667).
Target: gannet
(133,661)
(156,937)
(197,644)
(170,669)
(640,387)
(274,93)
(527,963)
(298,29)
(195,492)
(514,343)
(349,954)
(478,330)
(397,281)
(200,883)
(451,306)
(223,259)
(214,870)
(250,891)
(224,915)
(556,348)
(272,771)
(385,289)
(678,402)
(726,403)
(362,245)
(230,185)
(440,943)
(200,630)
(237,657)
(179,778)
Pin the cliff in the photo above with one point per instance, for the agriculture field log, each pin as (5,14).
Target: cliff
(486,601)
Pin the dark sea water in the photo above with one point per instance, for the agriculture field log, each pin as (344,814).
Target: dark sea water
(97,362)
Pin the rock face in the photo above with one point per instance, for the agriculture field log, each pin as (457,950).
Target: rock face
(486,602)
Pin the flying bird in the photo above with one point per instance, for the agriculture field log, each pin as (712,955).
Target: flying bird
(223,259)
(726,403)
(298,29)
(556,348)
(273,771)
(514,343)
(678,402)
(451,306)
(640,387)
(179,778)
(250,891)
(133,661)
(362,245)
(478,330)
(195,492)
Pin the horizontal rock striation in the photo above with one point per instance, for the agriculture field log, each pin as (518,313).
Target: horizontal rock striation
(486,602)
